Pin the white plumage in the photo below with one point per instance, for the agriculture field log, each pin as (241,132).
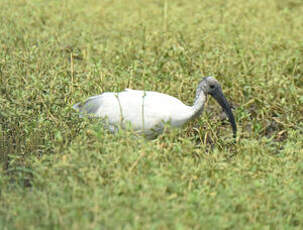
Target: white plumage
(146,111)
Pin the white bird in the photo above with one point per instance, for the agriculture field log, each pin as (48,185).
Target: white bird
(148,111)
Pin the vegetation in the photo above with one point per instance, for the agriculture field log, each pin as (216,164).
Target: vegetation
(58,171)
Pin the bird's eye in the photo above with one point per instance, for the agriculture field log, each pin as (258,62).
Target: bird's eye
(212,86)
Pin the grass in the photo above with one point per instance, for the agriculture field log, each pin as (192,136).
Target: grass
(62,172)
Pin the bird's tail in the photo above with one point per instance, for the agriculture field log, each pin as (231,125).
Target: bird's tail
(77,106)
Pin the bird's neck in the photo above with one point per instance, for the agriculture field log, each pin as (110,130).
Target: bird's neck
(198,105)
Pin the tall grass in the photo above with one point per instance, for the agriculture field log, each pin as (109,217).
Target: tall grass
(61,172)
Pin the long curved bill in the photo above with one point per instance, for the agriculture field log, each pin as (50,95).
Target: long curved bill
(220,98)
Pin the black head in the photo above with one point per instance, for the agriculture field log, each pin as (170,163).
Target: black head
(209,85)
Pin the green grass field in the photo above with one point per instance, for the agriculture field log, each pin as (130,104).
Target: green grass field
(58,171)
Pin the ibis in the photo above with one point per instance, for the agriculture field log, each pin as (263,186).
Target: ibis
(148,111)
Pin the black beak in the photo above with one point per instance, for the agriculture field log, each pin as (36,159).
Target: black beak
(220,98)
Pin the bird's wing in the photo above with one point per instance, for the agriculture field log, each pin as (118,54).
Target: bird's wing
(90,107)
(145,110)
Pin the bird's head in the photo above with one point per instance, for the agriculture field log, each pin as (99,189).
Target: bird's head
(209,85)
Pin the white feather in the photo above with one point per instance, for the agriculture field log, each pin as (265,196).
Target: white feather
(146,111)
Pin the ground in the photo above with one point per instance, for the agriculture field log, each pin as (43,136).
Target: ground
(58,171)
